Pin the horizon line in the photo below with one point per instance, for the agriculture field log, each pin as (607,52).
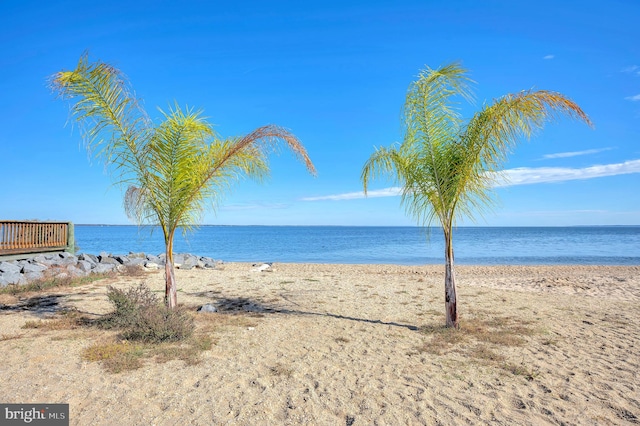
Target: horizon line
(372,226)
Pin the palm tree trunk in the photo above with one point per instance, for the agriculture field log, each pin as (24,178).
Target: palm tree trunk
(450,293)
(170,294)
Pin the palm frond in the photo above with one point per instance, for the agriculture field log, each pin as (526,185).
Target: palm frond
(430,114)
(445,168)
(113,125)
(431,121)
(383,162)
(493,131)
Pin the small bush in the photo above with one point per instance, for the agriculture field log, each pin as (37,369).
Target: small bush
(142,317)
(116,357)
(158,323)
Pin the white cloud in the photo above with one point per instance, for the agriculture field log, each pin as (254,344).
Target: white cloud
(549,57)
(513,177)
(632,69)
(386,192)
(527,176)
(633,98)
(575,153)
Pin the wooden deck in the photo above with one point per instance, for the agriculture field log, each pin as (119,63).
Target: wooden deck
(33,237)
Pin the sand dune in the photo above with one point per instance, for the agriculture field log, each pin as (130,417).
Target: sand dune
(356,345)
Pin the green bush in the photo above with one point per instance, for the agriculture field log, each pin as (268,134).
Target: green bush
(140,316)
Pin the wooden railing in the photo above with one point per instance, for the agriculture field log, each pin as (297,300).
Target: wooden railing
(26,237)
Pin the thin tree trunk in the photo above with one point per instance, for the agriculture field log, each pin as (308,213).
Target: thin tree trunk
(170,294)
(450,293)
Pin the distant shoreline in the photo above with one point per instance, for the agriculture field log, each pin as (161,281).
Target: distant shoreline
(376,226)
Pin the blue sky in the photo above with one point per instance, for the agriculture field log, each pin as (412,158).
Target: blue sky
(335,74)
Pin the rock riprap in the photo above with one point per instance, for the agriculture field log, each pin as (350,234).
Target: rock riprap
(59,265)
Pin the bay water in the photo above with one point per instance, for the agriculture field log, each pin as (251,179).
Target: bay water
(586,245)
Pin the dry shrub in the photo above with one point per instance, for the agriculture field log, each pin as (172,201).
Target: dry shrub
(115,356)
(65,320)
(140,316)
(483,339)
(161,324)
(442,339)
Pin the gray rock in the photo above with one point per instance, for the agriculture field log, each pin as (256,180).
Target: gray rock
(108,260)
(132,255)
(85,265)
(75,272)
(207,308)
(13,278)
(208,263)
(123,260)
(137,261)
(33,276)
(10,268)
(62,259)
(42,258)
(62,275)
(155,259)
(188,262)
(47,260)
(151,265)
(104,268)
(88,257)
(33,267)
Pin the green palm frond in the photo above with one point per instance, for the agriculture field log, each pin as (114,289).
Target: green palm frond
(446,168)
(189,167)
(430,114)
(383,162)
(113,125)
(494,131)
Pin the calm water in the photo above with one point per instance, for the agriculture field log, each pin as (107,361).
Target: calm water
(615,245)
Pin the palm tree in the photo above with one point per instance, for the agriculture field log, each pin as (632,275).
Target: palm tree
(445,167)
(171,170)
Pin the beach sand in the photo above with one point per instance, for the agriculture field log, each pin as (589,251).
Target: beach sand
(353,345)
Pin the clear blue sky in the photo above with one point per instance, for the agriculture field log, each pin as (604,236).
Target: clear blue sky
(334,73)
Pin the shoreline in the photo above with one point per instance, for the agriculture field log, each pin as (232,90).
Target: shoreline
(333,344)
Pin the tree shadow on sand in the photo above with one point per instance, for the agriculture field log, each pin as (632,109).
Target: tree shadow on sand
(44,306)
(248,305)
(41,305)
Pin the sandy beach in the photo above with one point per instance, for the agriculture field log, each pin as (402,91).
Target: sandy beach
(350,345)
